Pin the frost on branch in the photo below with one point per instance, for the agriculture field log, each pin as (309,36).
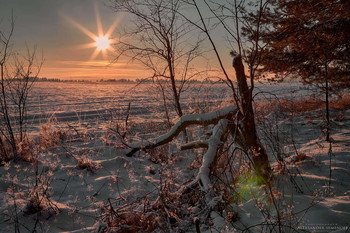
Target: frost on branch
(214,143)
(198,119)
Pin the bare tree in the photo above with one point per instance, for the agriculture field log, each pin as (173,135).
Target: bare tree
(240,120)
(5,121)
(159,38)
(234,130)
(18,74)
(244,28)
(242,21)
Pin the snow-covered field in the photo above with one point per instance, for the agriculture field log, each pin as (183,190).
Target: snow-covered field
(83,170)
(73,102)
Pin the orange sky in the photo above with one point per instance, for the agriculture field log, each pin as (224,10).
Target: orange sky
(61,31)
(64,31)
(95,69)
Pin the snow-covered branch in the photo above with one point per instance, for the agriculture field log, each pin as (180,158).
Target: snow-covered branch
(214,142)
(199,119)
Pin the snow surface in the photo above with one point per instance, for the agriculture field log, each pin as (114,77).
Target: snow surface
(79,194)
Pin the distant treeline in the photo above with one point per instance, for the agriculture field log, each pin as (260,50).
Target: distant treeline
(110,80)
(194,81)
(123,80)
(44,79)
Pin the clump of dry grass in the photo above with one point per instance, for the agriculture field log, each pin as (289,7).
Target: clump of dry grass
(288,105)
(39,200)
(300,105)
(27,150)
(166,212)
(50,135)
(84,162)
(127,218)
(24,151)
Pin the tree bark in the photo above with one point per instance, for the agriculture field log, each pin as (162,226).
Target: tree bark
(251,142)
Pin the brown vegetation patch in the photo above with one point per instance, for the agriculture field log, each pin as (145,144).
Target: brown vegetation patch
(301,105)
(287,105)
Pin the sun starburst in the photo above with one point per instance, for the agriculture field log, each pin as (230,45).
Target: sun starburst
(101,41)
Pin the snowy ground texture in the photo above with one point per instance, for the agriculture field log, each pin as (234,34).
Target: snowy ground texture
(82,174)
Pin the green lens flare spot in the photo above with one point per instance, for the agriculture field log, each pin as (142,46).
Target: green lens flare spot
(248,186)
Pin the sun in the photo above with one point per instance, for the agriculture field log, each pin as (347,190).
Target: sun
(102,42)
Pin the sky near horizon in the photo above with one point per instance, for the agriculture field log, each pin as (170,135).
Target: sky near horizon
(64,33)
(60,30)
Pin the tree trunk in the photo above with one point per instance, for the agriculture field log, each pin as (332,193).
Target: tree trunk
(251,142)
(6,115)
(327,100)
(175,93)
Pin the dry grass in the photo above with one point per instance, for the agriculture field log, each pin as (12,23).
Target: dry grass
(51,135)
(287,105)
(302,105)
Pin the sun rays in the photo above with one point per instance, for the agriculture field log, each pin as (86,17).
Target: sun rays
(101,41)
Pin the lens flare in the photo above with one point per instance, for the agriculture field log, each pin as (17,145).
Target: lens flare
(102,43)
